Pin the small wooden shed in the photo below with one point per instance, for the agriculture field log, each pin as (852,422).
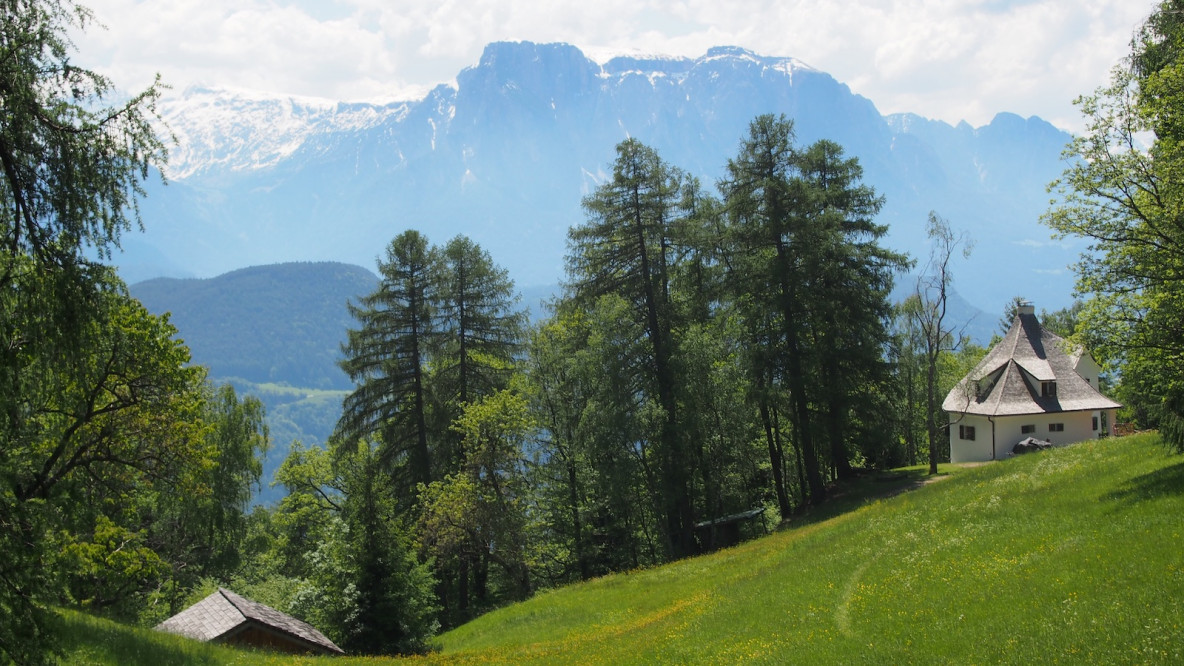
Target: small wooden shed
(225,617)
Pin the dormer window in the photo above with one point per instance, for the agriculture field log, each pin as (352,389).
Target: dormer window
(1048,389)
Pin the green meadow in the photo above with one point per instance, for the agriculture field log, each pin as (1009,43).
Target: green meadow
(1067,556)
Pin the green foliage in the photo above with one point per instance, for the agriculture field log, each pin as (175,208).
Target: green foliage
(118,401)
(396,604)
(92,427)
(482,512)
(199,530)
(72,164)
(337,552)
(480,326)
(375,596)
(1066,323)
(589,481)
(439,334)
(1126,200)
(625,250)
(239,435)
(85,379)
(109,567)
(811,283)
(386,357)
(709,357)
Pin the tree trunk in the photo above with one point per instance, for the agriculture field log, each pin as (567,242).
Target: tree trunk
(776,461)
(796,381)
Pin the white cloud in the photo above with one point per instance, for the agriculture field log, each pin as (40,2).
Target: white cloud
(947,60)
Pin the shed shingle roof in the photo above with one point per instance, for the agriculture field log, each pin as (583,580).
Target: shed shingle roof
(1005,382)
(224,612)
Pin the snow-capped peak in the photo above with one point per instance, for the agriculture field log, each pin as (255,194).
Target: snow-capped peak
(242,130)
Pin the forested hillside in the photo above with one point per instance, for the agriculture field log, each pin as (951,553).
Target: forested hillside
(282,323)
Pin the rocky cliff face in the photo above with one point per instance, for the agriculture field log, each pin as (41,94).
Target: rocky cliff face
(506,154)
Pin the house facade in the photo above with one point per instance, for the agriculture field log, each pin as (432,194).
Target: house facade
(1033,383)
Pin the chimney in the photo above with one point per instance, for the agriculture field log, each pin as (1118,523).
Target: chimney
(1026,308)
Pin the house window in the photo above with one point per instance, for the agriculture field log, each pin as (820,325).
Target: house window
(1095,424)
(1027,429)
(1056,427)
(1048,389)
(966,432)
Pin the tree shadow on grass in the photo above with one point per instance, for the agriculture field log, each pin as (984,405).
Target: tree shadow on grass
(1163,482)
(850,494)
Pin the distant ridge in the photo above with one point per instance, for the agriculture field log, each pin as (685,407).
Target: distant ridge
(507,153)
(281,323)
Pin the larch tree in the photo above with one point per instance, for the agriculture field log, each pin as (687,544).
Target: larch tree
(71,167)
(624,248)
(765,202)
(480,330)
(386,357)
(850,277)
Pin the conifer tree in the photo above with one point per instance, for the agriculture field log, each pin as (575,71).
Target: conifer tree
(386,357)
(480,327)
(771,244)
(625,249)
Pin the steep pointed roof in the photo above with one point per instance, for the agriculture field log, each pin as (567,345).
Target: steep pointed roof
(224,614)
(1008,380)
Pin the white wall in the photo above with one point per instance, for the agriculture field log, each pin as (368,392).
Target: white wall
(962,450)
(1088,368)
(1078,427)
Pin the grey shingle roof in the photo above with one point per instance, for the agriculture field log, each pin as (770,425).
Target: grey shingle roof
(225,612)
(1007,381)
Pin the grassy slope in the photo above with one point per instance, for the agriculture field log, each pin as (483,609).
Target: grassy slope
(1071,555)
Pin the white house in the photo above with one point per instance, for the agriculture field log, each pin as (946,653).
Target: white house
(1033,383)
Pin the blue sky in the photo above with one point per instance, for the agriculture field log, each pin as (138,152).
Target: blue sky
(947,59)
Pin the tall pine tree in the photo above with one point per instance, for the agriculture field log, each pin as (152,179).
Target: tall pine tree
(386,358)
(625,249)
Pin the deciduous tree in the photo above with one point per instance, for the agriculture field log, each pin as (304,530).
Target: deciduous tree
(928,307)
(1126,198)
(71,165)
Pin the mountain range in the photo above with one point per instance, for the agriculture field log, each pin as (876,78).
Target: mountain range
(506,153)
